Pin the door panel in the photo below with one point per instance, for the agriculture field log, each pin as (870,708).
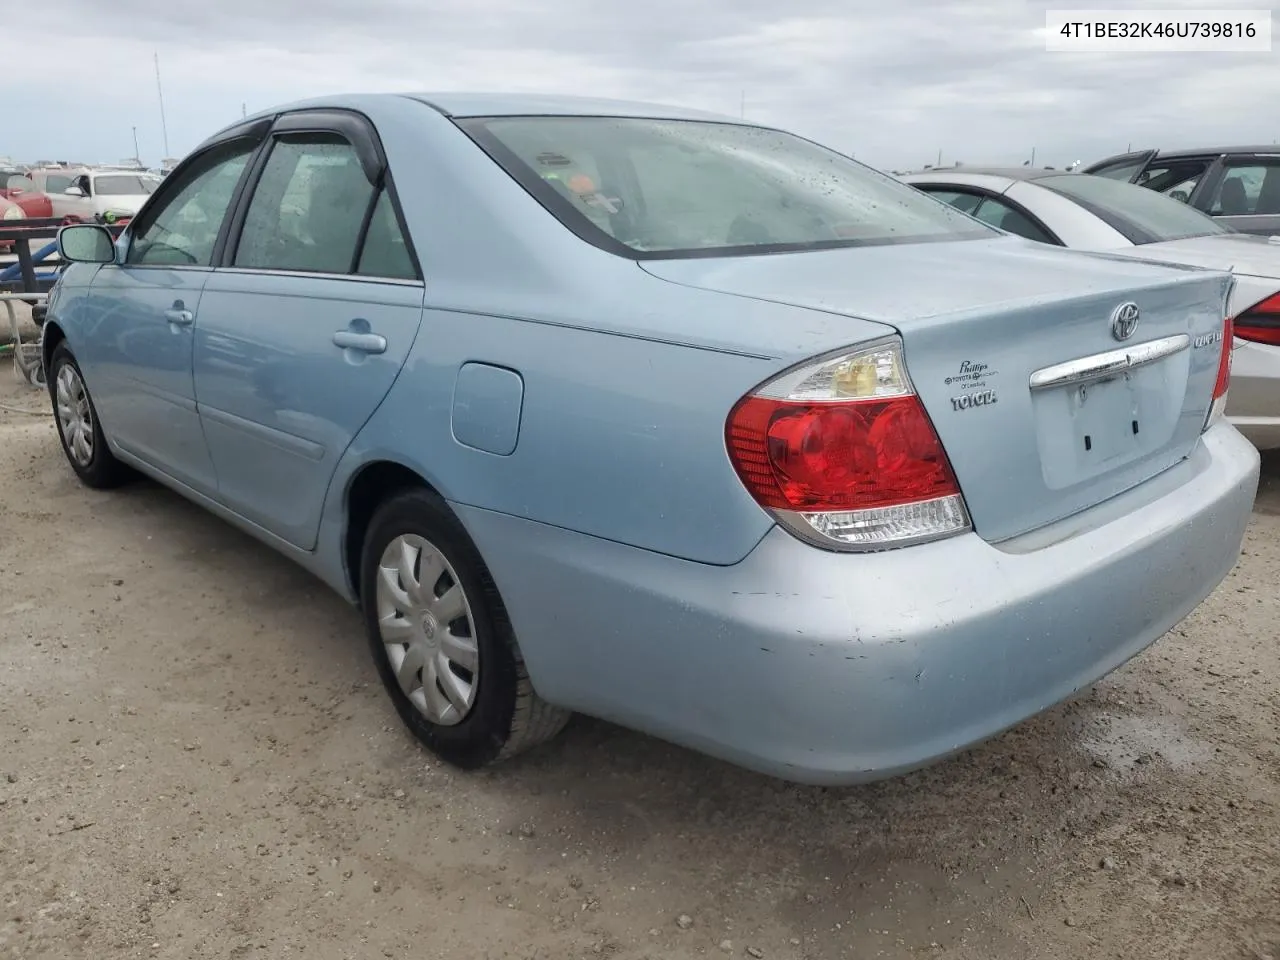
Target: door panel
(279,399)
(138,353)
(144,310)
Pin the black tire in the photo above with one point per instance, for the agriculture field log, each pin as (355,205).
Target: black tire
(103,471)
(506,717)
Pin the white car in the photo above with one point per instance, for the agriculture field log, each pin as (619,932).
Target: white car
(1093,213)
(88,194)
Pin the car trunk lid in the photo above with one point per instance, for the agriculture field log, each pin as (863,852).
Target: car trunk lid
(1242,253)
(980,319)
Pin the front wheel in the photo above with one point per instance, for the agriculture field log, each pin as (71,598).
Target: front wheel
(78,425)
(441,639)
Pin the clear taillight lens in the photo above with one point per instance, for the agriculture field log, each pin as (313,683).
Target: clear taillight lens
(842,452)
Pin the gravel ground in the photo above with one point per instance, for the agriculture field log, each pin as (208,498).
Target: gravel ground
(197,761)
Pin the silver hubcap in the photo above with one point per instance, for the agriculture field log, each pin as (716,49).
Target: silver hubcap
(424,619)
(74,415)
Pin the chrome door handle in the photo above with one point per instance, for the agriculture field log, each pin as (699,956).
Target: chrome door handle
(180,317)
(364,342)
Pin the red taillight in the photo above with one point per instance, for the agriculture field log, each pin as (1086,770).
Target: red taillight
(844,452)
(1224,361)
(850,455)
(1261,322)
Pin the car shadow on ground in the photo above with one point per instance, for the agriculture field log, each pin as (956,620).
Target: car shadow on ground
(1268,501)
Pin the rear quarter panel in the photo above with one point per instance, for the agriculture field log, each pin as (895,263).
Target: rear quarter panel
(626,381)
(618,437)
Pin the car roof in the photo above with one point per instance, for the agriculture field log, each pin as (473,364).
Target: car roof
(1187,152)
(478,104)
(462,104)
(1271,148)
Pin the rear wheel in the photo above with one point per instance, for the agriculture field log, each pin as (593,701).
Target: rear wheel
(441,639)
(78,425)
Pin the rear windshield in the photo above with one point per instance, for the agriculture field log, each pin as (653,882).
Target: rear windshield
(124,185)
(676,188)
(1141,215)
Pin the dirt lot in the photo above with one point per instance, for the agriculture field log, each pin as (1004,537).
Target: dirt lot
(196,761)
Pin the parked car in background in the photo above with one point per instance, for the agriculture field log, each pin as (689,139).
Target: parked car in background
(22,191)
(10,210)
(1238,185)
(9,213)
(1096,213)
(661,416)
(18,188)
(88,194)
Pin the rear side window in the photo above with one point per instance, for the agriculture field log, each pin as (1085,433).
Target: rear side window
(385,252)
(308,207)
(1011,220)
(965,202)
(1248,190)
(671,188)
(1174,179)
(123,185)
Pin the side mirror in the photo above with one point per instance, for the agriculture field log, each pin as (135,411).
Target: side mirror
(86,243)
(73,192)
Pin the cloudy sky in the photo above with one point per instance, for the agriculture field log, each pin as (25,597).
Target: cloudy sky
(891,82)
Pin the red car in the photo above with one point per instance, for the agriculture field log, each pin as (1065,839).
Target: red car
(20,200)
(16,187)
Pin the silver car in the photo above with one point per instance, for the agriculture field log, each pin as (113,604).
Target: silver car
(1095,213)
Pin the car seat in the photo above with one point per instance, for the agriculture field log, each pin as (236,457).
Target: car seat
(338,196)
(1232,200)
(1269,195)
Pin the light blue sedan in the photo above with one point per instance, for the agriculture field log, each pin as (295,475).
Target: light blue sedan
(664,417)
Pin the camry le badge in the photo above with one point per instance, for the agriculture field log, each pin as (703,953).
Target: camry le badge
(1124,320)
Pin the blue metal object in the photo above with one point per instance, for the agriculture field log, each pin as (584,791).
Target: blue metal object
(570,405)
(14,270)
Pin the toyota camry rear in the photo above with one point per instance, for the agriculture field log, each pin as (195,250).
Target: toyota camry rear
(894,481)
(679,421)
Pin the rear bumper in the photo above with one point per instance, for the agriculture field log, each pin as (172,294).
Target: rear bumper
(1253,403)
(840,668)
(1262,432)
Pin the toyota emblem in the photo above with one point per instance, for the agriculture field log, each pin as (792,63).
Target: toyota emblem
(1124,320)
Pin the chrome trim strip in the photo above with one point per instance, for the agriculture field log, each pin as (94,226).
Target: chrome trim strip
(1102,365)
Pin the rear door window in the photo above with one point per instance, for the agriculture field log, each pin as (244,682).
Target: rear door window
(313,210)
(1248,189)
(965,202)
(1008,218)
(308,207)
(1176,179)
